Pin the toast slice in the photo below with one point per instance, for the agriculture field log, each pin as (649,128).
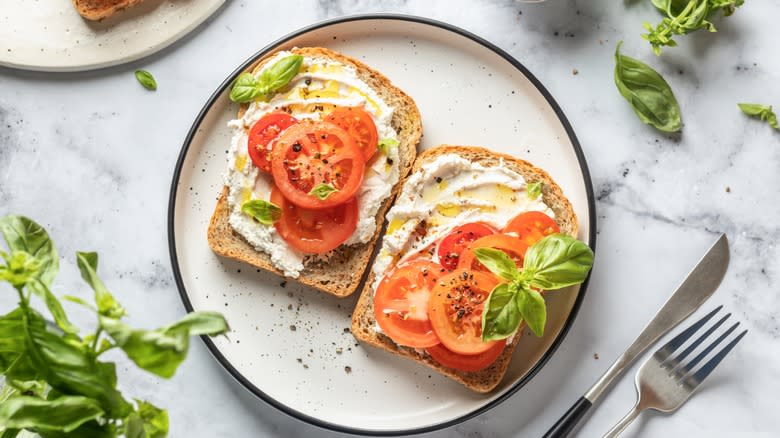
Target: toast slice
(363,320)
(99,9)
(340,274)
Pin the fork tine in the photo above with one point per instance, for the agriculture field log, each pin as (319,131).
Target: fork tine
(707,368)
(680,339)
(680,357)
(688,367)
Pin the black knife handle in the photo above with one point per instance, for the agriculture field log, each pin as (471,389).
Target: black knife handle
(563,427)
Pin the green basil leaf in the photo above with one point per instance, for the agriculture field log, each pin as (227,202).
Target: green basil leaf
(106,303)
(534,189)
(54,306)
(134,426)
(146,79)
(23,234)
(247,88)
(63,414)
(386,144)
(90,429)
(161,351)
(648,93)
(10,433)
(500,315)
(155,420)
(70,369)
(322,191)
(263,211)
(557,261)
(13,360)
(763,112)
(21,268)
(497,262)
(532,308)
(277,76)
(35,388)
(77,300)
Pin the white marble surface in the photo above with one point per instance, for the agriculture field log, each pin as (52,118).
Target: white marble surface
(91,157)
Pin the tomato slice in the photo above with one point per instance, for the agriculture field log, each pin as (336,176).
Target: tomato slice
(514,247)
(464,362)
(532,226)
(455,310)
(313,153)
(401,303)
(360,126)
(315,231)
(262,134)
(458,240)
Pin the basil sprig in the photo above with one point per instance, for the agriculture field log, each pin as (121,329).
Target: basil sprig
(56,384)
(648,93)
(263,211)
(555,262)
(763,112)
(323,190)
(683,17)
(146,79)
(248,88)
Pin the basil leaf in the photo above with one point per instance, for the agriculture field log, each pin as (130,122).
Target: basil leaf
(648,93)
(90,429)
(497,262)
(763,112)
(146,79)
(106,303)
(21,268)
(263,211)
(63,414)
(277,76)
(161,351)
(54,306)
(77,300)
(23,234)
(322,191)
(500,316)
(534,189)
(12,339)
(557,261)
(28,387)
(386,144)
(247,88)
(532,308)
(10,433)
(154,420)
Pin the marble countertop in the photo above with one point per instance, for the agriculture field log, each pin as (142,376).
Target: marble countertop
(90,156)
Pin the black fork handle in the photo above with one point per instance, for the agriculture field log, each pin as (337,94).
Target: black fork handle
(566,424)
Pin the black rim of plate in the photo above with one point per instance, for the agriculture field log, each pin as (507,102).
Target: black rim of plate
(399,17)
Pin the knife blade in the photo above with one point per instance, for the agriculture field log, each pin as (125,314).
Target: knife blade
(697,286)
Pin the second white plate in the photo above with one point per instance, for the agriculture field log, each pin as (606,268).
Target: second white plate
(291,345)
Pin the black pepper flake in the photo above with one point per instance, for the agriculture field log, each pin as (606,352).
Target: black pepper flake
(296,147)
(438,179)
(283,284)
(293,328)
(390,161)
(299,360)
(324,161)
(308,81)
(348,369)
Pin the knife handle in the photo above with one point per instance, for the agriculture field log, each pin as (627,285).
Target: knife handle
(563,427)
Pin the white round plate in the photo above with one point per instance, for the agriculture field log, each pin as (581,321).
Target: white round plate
(50,35)
(291,345)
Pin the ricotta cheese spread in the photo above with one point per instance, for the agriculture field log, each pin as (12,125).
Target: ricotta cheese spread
(448,192)
(321,85)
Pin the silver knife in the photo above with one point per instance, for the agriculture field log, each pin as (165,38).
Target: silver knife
(700,283)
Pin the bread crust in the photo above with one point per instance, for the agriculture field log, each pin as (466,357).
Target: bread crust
(341,274)
(483,381)
(99,9)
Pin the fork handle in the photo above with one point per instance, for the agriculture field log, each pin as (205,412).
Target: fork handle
(564,426)
(624,422)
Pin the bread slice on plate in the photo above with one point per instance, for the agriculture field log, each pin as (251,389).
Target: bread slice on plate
(364,326)
(99,9)
(341,272)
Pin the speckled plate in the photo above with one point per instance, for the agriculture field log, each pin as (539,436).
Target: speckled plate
(291,345)
(50,35)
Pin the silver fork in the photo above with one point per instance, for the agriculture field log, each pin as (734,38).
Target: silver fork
(664,382)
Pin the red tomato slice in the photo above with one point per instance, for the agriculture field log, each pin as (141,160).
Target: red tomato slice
(463,362)
(401,303)
(512,246)
(315,231)
(262,134)
(359,124)
(455,310)
(313,153)
(532,226)
(458,240)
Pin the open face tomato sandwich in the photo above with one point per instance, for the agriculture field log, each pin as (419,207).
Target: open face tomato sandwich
(319,148)
(473,242)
